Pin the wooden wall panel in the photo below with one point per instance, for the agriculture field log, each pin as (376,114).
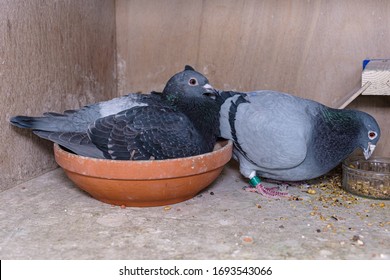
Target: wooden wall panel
(312,49)
(54,55)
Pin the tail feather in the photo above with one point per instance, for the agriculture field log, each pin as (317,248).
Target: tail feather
(46,123)
(53,114)
(79,120)
(77,142)
(24,121)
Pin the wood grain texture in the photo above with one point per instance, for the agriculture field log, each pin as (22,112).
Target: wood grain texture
(312,49)
(378,73)
(54,55)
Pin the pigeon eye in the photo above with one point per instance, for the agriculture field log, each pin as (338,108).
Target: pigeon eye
(193,82)
(371,135)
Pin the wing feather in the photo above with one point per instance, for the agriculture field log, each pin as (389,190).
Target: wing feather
(146,132)
(271,130)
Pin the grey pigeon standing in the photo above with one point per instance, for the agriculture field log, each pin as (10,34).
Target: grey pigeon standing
(283,137)
(179,122)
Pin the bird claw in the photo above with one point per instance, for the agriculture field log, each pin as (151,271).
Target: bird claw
(267,192)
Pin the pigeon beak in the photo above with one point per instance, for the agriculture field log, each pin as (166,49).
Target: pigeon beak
(210,91)
(369,150)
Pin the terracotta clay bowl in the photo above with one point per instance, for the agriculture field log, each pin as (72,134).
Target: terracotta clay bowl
(147,182)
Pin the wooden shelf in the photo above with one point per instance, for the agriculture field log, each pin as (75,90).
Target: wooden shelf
(376,71)
(375,81)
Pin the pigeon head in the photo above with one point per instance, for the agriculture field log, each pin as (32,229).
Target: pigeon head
(190,83)
(369,135)
(190,92)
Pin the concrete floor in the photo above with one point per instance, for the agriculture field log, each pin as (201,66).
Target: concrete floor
(50,218)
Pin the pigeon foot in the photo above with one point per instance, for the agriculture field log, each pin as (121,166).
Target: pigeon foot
(267,192)
(258,187)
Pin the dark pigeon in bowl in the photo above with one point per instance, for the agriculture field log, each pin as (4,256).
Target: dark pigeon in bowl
(181,121)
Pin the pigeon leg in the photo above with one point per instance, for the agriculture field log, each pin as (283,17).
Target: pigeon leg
(258,187)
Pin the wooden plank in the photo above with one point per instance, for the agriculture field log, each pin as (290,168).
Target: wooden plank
(349,98)
(377,72)
(54,55)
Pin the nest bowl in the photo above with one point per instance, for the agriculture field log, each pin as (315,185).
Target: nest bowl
(367,178)
(144,183)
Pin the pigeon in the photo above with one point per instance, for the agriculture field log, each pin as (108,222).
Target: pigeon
(287,138)
(181,121)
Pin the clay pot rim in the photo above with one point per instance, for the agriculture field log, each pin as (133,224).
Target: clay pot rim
(225,144)
(144,169)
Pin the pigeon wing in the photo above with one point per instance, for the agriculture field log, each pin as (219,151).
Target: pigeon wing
(270,130)
(79,120)
(77,142)
(142,133)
